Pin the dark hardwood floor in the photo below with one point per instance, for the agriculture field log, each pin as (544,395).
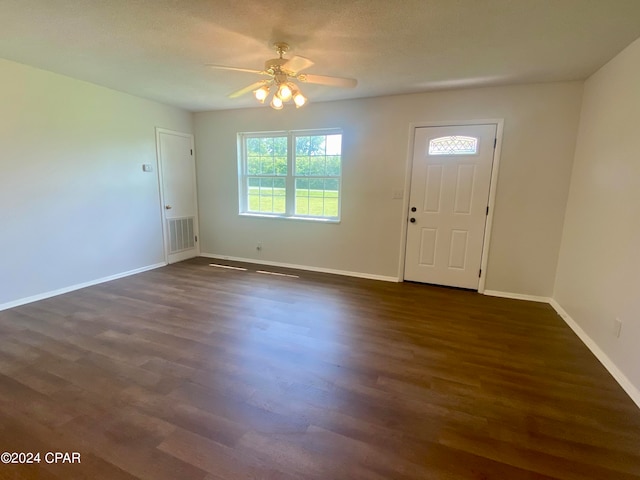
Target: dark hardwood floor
(196,372)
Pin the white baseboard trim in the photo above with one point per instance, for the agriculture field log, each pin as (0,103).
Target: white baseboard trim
(53,293)
(604,359)
(615,372)
(346,273)
(517,296)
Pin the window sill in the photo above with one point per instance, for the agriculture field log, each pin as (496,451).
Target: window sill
(293,217)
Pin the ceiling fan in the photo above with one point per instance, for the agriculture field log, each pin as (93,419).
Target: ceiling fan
(281,73)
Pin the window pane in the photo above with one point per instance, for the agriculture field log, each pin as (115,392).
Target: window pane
(279,195)
(453,145)
(281,165)
(302,145)
(266,156)
(318,156)
(253,194)
(316,187)
(280,146)
(331,197)
(316,166)
(267,166)
(333,165)
(331,186)
(253,146)
(279,183)
(302,165)
(302,196)
(302,183)
(253,165)
(311,158)
(266,184)
(311,145)
(331,207)
(302,204)
(317,197)
(266,195)
(280,205)
(334,144)
(317,145)
(266,146)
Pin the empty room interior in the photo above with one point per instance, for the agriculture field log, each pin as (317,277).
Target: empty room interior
(352,239)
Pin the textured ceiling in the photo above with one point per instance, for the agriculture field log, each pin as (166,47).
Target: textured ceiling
(157,48)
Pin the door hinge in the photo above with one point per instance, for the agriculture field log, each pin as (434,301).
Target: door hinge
(487,210)
(480,273)
(196,238)
(191,151)
(495,142)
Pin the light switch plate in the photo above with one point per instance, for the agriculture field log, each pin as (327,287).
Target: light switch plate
(617,327)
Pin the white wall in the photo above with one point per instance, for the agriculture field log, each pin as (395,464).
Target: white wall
(598,276)
(75,203)
(539,139)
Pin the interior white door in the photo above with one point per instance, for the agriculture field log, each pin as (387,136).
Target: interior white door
(178,195)
(448,204)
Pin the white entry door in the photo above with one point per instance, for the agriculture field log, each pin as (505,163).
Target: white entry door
(448,204)
(178,195)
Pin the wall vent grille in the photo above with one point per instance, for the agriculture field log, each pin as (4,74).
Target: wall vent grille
(181,234)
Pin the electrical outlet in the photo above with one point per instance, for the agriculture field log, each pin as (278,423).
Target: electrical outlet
(617,327)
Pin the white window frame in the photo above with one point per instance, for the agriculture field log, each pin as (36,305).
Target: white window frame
(290,178)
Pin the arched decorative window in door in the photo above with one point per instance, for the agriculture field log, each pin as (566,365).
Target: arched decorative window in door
(453,145)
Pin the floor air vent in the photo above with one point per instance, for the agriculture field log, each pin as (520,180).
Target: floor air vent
(181,234)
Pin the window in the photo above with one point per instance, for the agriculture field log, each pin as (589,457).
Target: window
(453,145)
(291,174)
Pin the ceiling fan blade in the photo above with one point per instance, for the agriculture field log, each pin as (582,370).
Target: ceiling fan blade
(236,69)
(297,64)
(329,81)
(247,89)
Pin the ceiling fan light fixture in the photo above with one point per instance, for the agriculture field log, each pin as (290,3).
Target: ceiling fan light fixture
(284,92)
(299,99)
(261,93)
(276,103)
(282,72)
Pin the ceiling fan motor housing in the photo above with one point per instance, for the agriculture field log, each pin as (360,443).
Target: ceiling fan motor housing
(275,65)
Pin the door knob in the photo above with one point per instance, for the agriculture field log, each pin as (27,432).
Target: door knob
(413,209)
(412,220)
(167,207)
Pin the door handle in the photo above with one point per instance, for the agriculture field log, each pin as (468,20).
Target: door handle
(167,207)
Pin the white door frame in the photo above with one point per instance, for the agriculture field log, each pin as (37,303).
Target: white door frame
(196,224)
(499,122)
